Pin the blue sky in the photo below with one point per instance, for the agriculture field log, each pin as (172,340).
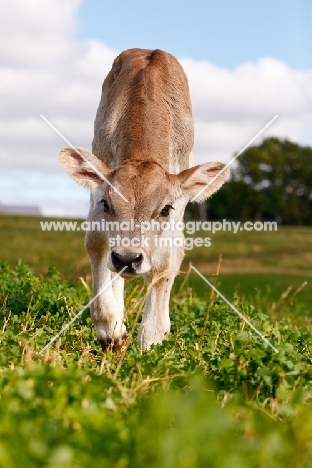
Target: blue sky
(226,32)
(246,61)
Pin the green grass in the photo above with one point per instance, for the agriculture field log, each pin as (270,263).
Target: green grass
(274,293)
(212,395)
(258,266)
(22,237)
(285,251)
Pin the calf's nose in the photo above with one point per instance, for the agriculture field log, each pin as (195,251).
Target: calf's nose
(131,260)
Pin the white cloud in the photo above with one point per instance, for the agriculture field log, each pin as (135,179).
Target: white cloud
(230,107)
(45,70)
(34,33)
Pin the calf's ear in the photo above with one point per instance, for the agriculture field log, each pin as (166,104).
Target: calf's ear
(200,182)
(84,167)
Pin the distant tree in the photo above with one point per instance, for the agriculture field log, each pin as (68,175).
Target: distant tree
(272,181)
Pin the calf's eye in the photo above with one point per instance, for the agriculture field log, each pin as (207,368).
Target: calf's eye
(105,205)
(166,210)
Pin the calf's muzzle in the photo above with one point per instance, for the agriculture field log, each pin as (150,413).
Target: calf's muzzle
(131,260)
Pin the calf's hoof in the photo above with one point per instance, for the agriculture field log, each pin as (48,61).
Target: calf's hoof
(112,344)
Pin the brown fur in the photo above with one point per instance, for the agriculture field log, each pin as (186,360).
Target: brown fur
(144,90)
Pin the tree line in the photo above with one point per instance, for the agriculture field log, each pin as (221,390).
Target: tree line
(269,182)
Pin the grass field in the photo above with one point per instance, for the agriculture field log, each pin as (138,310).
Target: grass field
(213,395)
(259,266)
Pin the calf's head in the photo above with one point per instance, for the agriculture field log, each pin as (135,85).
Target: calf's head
(135,199)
